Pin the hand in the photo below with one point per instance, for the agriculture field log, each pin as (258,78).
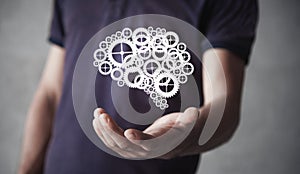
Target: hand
(163,139)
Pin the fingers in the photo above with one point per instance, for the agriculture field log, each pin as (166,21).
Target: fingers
(133,134)
(98,111)
(139,138)
(113,136)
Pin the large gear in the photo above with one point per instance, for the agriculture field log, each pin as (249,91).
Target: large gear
(166,85)
(112,53)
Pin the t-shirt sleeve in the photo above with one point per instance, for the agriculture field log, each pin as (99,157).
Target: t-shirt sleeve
(231,24)
(57,34)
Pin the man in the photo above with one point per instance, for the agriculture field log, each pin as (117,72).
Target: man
(54,141)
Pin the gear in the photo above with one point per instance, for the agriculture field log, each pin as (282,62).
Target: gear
(144,52)
(186,56)
(116,74)
(141,36)
(181,46)
(126,33)
(166,85)
(105,68)
(133,82)
(171,39)
(151,68)
(187,68)
(168,65)
(182,79)
(100,55)
(159,52)
(119,49)
(121,83)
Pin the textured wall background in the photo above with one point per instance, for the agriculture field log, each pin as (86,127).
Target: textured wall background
(268,138)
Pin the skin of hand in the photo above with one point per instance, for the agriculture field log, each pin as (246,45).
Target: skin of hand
(129,143)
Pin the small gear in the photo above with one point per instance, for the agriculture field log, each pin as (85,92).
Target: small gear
(96,63)
(121,83)
(187,68)
(105,68)
(182,79)
(171,39)
(186,56)
(177,71)
(151,68)
(126,33)
(181,46)
(166,85)
(141,36)
(103,45)
(144,52)
(108,39)
(156,40)
(173,53)
(100,55)
(116,74)
(168,65)
(159,52)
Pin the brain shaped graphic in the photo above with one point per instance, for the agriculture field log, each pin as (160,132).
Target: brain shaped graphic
(150,59)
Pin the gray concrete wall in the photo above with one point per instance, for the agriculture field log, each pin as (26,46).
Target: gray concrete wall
(267,140)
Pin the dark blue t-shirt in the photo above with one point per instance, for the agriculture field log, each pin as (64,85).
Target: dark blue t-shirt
(228,24)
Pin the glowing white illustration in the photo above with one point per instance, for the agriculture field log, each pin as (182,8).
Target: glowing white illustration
(153,60)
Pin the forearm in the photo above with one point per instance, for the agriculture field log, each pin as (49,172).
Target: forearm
(37,132)
(226,128)
(216,90)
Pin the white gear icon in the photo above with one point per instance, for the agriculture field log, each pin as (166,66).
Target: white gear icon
(122,52)
(186,56)
(133,82)
(121,83)
(182,79)
(188,68)
(126,33)
(171,39)
(166,85)
(181,46)
(144,52)
(100,55)
(168,65)
(151,68)
(159,52)
(105,68)
(116,74)
(140,36)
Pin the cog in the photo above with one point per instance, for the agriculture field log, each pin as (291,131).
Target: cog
(166,85)
(187,68)
(100,55)
(116,74)
(105,68)
(151,68)
(119,49)
(136,80)
(171,39)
